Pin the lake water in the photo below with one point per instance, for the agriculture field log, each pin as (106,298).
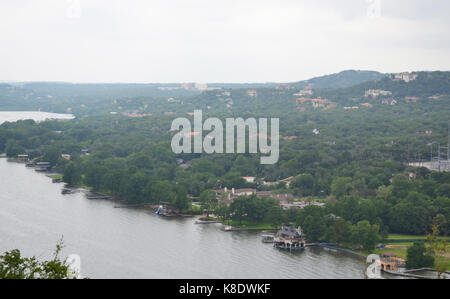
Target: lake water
(37,116)
(135,243)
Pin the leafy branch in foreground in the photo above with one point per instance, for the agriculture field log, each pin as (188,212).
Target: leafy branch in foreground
(14,266)
(438,249)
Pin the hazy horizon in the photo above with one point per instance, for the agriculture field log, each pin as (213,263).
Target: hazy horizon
(232,41)
(218,82)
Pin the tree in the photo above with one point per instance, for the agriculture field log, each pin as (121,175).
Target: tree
(71,174)
(112,181)
(314,228)
(181,199)
(365,235)
(163,191)
(14,266)
(94,176)
(137,188)
(52,155)
(222,212)
(437,248)
(409,218)
(233,180)
(341,187)
(281,185)
(239,208)
(305,183)
(417,258)
(275,215)
(444,190)
(13,148)
(209,200)
(401,186)
(340,231)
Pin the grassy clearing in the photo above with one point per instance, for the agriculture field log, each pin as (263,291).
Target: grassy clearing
(405,237)
(399,237)
(400,249)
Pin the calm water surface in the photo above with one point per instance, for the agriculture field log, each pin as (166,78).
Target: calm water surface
(127,243)
(38,116)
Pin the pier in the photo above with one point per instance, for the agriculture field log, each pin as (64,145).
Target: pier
(94,196)
(410,273)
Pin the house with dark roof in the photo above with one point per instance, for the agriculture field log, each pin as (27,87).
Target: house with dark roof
(290,238)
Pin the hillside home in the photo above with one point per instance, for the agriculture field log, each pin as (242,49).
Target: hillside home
(390,102)
(406,77)
(252,93)
(375,93)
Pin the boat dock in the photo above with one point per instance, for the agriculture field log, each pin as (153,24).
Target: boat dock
(410,273)
(290,239)
(94,195)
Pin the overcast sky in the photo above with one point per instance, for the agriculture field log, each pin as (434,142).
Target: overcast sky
(218,40)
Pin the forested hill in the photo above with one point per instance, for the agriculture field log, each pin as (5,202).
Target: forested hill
(425,87)
(146,99)
(427,84)
(81,98)
(341,80)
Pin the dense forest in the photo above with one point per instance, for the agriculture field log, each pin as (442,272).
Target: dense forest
(352,160)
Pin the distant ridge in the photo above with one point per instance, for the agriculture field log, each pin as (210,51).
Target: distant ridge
(343,79)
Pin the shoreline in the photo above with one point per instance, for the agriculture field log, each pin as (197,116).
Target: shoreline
(86,191)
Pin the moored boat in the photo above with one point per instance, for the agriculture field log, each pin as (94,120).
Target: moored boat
(268,238)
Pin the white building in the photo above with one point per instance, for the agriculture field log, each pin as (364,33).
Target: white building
(407,77)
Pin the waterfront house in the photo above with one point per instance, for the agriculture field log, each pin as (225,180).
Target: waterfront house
(22,158)
(290,238)
(390,261)
(168,210)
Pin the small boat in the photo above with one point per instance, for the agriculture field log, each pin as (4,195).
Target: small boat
(67,191)
(228,228)
(268,238)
